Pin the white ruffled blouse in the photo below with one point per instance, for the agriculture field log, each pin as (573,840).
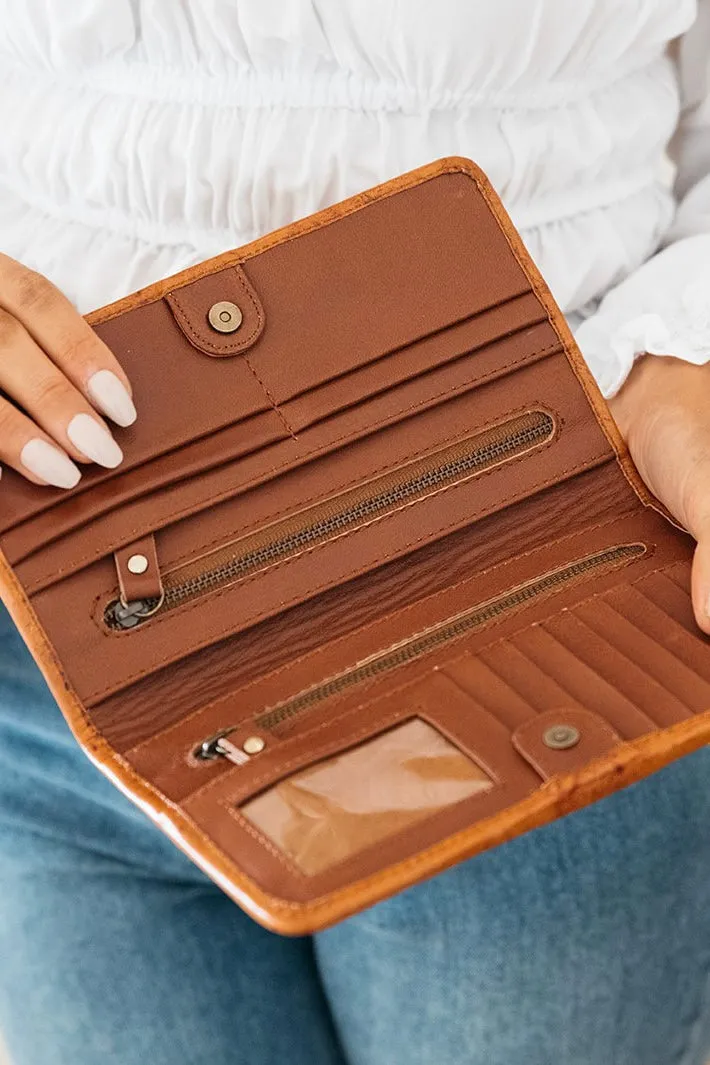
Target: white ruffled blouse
(141,136)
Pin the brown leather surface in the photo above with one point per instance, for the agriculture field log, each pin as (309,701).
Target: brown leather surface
(320,603)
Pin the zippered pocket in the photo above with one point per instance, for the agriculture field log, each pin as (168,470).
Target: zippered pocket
(413,648)
(337,516)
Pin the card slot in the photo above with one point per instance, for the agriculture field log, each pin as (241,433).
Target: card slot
(489,690)
(679,573)
(672,599)
(538,689)
(472,733)
(658,660)
(104,522)
(477,350)
(105,494)
(690,648)
(621,672)
(319,815)
(576,439)
(39,517)
(204,396)
(101,491)
(585,685)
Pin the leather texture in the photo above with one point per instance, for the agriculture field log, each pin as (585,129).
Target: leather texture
(391,550)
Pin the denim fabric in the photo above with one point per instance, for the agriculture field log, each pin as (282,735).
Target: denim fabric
(584,943)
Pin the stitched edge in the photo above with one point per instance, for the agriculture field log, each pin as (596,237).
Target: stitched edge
(275,407)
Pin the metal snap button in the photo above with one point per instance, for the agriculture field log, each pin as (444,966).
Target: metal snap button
(561,737)
(137,564)
(253,744)
(225,317)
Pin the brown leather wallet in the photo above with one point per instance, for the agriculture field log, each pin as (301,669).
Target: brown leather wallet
(377,585)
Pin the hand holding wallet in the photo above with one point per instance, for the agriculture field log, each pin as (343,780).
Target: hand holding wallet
(377,585)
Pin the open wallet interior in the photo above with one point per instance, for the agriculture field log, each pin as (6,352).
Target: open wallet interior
(377,585)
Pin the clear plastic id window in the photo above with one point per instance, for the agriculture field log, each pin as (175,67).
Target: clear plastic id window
(332,810)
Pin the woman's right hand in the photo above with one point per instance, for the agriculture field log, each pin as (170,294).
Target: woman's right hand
(55,376)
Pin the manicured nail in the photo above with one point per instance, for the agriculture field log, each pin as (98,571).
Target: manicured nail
(49,464)
(89,437)
(111,395)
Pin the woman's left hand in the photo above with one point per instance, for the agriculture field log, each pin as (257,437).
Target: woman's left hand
(663,412)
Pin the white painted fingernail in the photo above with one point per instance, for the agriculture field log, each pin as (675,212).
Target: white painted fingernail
(49,464)
(111,395)
(89,437)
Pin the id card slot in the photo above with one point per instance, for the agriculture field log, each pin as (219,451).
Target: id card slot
(322,814)
(434,761)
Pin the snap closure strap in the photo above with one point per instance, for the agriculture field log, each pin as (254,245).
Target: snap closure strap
(138,571)
(540,740)
(191,305)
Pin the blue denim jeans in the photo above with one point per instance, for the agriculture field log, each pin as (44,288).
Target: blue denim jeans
(584,943)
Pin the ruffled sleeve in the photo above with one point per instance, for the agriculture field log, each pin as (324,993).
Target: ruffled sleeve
(663,308)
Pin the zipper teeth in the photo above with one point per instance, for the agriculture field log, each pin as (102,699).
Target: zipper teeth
(486,449)
(539,428)
(451,629)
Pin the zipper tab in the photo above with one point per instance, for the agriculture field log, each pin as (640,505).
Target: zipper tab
(220,746)
(224,748)
(141,592)
(138,570)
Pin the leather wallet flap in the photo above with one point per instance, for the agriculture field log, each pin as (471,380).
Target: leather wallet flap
(220,314)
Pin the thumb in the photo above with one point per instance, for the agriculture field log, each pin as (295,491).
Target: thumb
(700,581)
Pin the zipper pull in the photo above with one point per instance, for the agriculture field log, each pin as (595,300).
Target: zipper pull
(220,746)
(128,615)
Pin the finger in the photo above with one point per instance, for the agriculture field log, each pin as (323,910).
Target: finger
(28,450)
(700,583)
(57,327)
(35,384)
